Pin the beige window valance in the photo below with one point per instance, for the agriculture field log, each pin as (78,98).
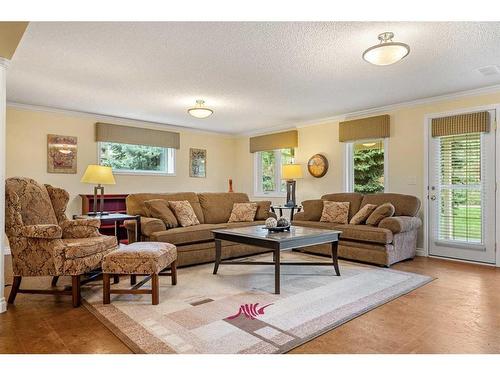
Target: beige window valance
(365,128)
(478,122)
(136,136)
(274,141)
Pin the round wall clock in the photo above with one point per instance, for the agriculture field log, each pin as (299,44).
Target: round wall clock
(317,165)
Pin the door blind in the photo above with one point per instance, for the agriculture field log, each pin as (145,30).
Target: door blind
(461,188)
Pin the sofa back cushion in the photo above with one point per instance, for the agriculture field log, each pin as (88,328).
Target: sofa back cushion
(354,200)
(217,207)
(312,208)
(135,202)
(404,205)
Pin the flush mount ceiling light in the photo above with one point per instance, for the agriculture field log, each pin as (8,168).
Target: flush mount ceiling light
(199,110)
(387,52)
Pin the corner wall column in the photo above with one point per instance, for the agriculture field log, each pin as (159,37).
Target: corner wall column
(3,155)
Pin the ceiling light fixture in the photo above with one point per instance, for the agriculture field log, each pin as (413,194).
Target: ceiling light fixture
(387,52)
(199,110)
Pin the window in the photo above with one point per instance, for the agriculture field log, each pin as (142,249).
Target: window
(137,159)
(366,166)
(268,171)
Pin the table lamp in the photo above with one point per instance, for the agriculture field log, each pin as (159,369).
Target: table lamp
(290,172)
(98,175)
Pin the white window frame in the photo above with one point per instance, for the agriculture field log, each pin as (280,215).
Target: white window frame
(349,165)
(258,176)
(144,173)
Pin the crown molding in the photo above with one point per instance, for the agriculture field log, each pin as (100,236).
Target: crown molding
(377,110)
(115,119)
(4,62)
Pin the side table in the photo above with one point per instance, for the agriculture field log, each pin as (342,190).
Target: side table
(117,219)
(283,207)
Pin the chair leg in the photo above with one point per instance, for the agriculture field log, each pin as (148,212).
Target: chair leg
(75,290)
(16,283)
(155,289)
(54,281)
(106,288)
(116,279)
(133,279)
(173,270)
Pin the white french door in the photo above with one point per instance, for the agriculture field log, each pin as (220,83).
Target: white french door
(462,196)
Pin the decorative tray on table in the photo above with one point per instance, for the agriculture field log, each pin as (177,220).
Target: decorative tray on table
(278,229)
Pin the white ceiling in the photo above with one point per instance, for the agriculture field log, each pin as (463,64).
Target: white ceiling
(255,76)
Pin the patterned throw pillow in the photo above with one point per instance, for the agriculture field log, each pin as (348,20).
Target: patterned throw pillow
(363,214)
(158,208)
(243,212)
(381,212)
(335,212)
(184,213)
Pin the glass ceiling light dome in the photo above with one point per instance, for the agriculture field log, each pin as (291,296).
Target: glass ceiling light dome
(387,52)
(199,110)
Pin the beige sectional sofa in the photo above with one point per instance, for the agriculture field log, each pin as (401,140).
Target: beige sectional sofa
(195,244)
(393,240)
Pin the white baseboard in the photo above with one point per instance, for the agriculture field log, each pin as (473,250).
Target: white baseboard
(3,305)
(6,250)
(421,252)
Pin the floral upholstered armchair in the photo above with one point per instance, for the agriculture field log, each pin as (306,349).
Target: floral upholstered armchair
(44,242)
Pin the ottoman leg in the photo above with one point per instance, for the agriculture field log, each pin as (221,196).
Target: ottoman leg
(173,270)
(133,279)
(116,279)
(155,289)
(106,288)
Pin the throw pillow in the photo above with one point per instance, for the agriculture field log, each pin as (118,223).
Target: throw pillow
(381,212)
(184,213)
(263,208)
(243,212)
(159,209)
(363,214)
(335,212)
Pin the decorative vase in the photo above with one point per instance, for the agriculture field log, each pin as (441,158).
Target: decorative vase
(231,185)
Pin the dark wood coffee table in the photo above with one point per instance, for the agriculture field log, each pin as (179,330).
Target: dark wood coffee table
(297,237)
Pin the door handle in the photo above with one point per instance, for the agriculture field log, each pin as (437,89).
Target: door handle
(433,197)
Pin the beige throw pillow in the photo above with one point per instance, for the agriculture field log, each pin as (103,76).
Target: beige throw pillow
(159,209)
(363,214)
(381,212)
(335,212)
(243,212)
(184,213)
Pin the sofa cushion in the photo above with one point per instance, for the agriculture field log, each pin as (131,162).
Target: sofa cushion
(159,209)
(263,208)
(354,200)
(335,212)
(381,212)
(217,207)
(312,209)
(363,214)
(404,205)
(315,224)
(365,233)
(245,224)
(83,247)
(135,202)
(184,213)
(184,235)
(243,212)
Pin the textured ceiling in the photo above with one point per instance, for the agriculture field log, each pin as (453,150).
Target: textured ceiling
(255,76)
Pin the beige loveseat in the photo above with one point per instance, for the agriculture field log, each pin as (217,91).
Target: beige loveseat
(195,244)
(393,240)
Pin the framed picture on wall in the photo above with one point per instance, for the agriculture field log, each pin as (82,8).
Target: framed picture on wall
(197,162)
(61,153)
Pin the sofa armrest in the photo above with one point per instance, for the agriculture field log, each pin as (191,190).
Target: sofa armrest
(81,228)
(148,225)
(299,216)
(398,224)
(45,231)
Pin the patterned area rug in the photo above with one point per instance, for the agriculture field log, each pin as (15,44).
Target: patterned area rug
(236,311)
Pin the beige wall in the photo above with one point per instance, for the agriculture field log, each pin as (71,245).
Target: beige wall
(405,150)
(27,156)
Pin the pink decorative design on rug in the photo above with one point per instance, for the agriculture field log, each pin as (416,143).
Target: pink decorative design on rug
(250,311)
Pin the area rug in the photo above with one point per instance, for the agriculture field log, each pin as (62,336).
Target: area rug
(236,311)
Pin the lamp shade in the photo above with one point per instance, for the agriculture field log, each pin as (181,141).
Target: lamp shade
(98,174)
(291,171)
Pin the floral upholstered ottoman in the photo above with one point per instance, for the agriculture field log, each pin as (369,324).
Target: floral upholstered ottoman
(148,259)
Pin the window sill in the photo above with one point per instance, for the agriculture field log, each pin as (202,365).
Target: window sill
(130,173)
(269,195)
